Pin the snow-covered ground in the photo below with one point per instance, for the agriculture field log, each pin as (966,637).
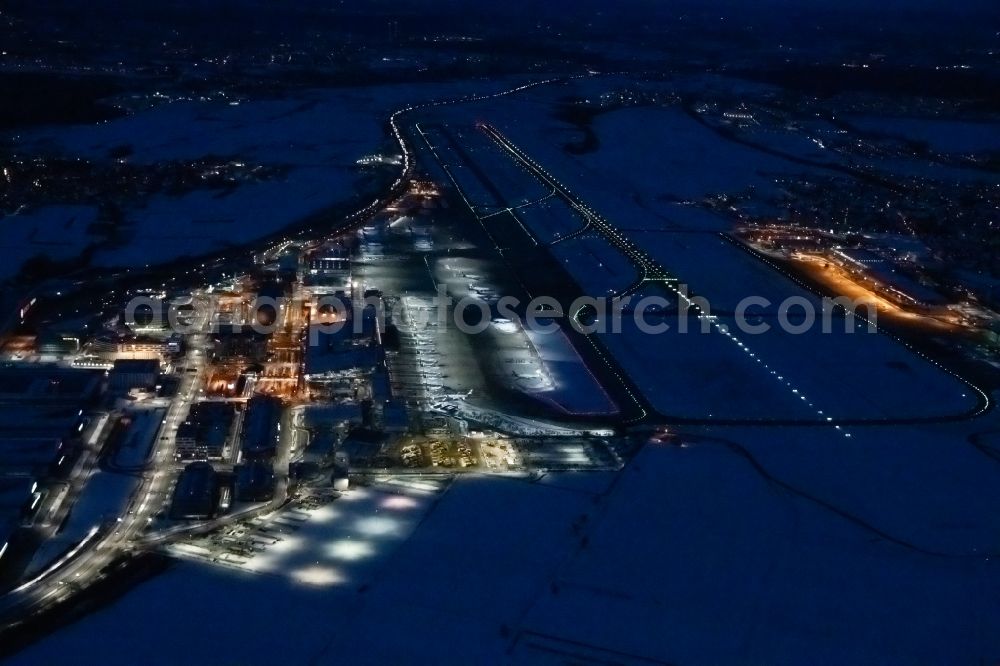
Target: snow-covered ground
(803,144)
(853,374)
(724,565)
(196,613)
(204,221)
(57,232)
(700,375)
(841,372)
(909,168)
(550,220)
(718,270)
(663,152)
(941,135)
(636,176)
(598,268)
(317,136)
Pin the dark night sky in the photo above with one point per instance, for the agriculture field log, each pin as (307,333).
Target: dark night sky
(867,22)
(556,7)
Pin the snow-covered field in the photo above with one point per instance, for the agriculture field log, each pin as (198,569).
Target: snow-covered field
(550,220)
(803,144)
(718,270)
(845,373)
(517,186)
(701,375)
(861,375)
(598,268)
(195,613)
(469,567)
(725,565)
(672,155)
(206,221)
(316,135)
(941,135)
(57,232)
(635,177)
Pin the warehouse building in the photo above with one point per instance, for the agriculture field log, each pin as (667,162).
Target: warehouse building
(196,495)
(261,427)
(204,433)
(255,481)
(48,383)
(130,374)
(41,419)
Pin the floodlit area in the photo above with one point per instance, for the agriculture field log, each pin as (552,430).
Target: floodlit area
(571,385)
(326,539)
